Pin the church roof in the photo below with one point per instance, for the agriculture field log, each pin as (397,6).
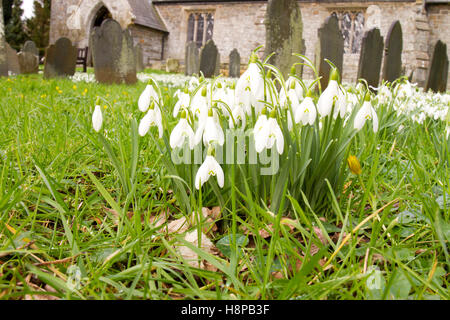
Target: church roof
(146,15)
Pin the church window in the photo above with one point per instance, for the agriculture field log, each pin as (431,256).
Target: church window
(200,27)
(352,28)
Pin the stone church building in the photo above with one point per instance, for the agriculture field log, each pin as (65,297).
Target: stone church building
(163,27)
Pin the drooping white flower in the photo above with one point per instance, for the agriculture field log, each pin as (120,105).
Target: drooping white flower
(210,167)
(180,133)
(250,87)
(267,134)
(210,130)
(340,107)
(147,96)
(238,116)
(152,118)
(199,104)
(182,103)
(329,95)
(97,118)
(292,84)
(306,112)
(367,112)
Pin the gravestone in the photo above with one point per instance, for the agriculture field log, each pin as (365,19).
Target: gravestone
(60,59)
(191,59)
(371,56)
(235,64)
(3,62)
(392,67)
(12,60)
(284,29)
(438,72)
(172,65)
(208,59)
(30,47)
(113,54)
(331,47)
(217,69)
(139,57)
(28,62)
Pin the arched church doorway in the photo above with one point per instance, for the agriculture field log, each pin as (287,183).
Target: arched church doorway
(101,15)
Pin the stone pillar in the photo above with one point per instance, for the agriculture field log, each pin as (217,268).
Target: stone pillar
(421,45)
(3,62)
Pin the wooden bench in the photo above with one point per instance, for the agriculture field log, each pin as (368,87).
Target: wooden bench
(82,57)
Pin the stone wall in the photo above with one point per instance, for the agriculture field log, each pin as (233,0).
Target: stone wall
(241,26)
(151,42)
(236,25)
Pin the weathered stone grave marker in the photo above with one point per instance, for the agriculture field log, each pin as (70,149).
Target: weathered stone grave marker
(283,33)
(113,54)
(217,69)
(191,59)
(12,60)
(392,67)
(371,56)
(208,59)
(30,46)
(29,58)
(172,65)
(331,47)
(235,64)
(438,72)
(139,57)
(3,62)
(60,59)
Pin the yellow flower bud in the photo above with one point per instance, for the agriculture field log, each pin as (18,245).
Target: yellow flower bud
(354,165)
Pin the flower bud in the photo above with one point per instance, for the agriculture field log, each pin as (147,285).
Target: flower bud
(354,165)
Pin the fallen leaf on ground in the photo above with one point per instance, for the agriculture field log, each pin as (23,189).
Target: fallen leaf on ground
(191,257)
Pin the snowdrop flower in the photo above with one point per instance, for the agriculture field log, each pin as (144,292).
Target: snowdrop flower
(210,167)
(199,105)
(210,130)
(292,84)
(182,103)
(306,112)
(268,133)
(147,96)
(182,131)
(250,86)
(238,116)
(329,95)
(367,112)
(97,118)
(152,118)
(340,107)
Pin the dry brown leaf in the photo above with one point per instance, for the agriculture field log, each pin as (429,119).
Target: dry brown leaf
(178,226)
(264,233)
(216,213)
(191,257)
(320,235)
(159,219)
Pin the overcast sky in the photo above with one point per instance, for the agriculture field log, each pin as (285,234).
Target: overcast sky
(27,7)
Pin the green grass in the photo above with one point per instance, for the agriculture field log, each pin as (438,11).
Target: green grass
(87,200)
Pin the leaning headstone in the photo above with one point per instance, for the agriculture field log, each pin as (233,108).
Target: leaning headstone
(28,62)
(284,29)
(30,47)
(113,54)
(235,64)
(217,69)
(208,59)
(331,47)
(60,59)
(13,61)
(191,59)
(371,55)
(172,65)
(392,67)
(438,72)
(139,57)
(3,62)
